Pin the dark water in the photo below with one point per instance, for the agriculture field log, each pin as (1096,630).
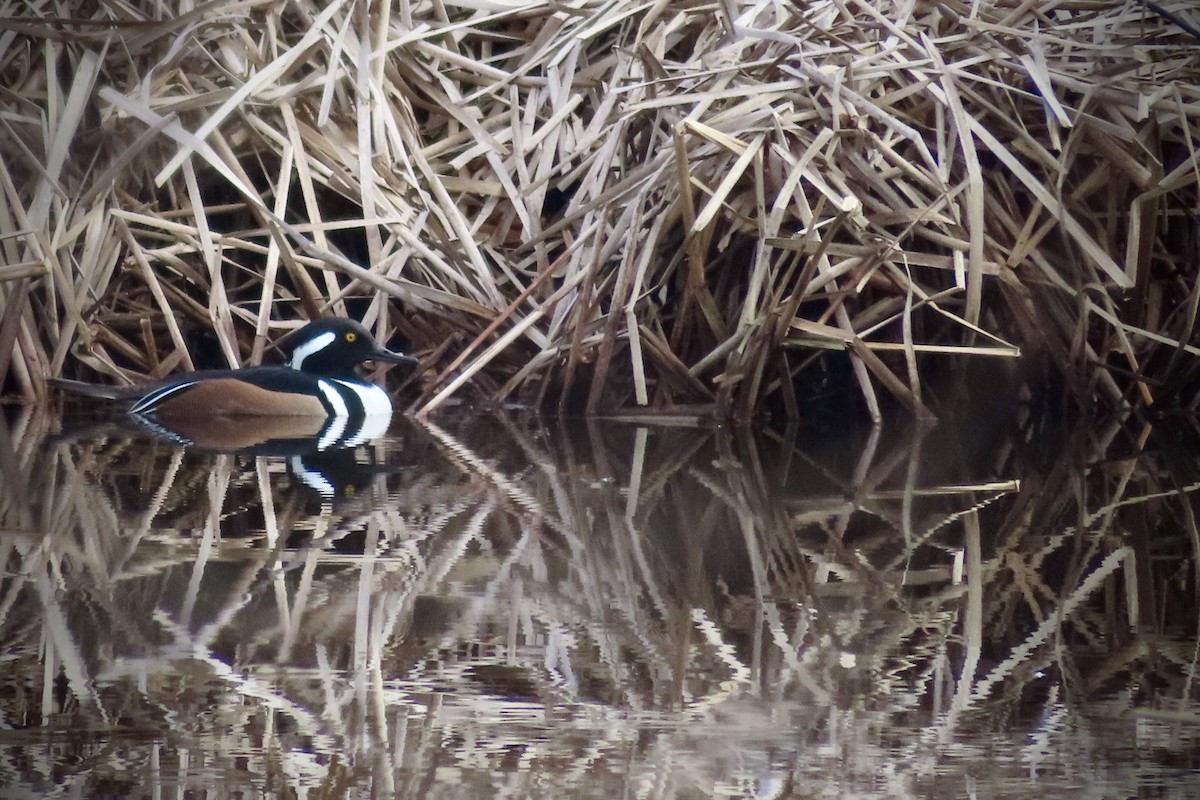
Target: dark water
(502,607)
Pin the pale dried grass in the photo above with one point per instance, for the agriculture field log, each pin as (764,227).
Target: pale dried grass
(664,207)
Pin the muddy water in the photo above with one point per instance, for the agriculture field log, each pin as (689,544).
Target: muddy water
(501,607)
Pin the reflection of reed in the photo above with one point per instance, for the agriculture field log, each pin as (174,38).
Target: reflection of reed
(529,607)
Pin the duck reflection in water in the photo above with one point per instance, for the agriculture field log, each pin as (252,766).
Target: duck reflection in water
(326,460)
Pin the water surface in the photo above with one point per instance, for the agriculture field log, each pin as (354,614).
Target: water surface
(506,607)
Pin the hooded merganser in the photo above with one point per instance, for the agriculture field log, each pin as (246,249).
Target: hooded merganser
(318,382)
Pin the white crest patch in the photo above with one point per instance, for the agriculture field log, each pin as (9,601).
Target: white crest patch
(310,347)
(375,401)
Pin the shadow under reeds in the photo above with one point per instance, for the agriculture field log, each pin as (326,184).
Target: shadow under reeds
(570,608)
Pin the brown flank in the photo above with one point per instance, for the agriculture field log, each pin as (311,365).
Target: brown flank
(230,397)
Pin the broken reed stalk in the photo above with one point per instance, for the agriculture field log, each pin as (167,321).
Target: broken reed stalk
(742,175)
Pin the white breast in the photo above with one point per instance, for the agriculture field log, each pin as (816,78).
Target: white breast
(374,399)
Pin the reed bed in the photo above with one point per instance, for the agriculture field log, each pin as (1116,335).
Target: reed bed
(685,208)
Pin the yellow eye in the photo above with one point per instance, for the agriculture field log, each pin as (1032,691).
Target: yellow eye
(351,336)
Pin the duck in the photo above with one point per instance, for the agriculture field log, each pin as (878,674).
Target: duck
(320,382)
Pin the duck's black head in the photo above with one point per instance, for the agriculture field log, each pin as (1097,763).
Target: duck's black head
(334,347)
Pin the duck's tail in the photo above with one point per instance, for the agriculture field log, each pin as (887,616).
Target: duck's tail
(96,390)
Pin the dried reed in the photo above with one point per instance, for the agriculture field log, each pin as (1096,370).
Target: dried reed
(627,206)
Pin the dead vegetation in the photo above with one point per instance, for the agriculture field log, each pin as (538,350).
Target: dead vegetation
(663,206)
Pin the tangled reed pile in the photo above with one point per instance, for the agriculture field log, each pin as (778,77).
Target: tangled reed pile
(618,206)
